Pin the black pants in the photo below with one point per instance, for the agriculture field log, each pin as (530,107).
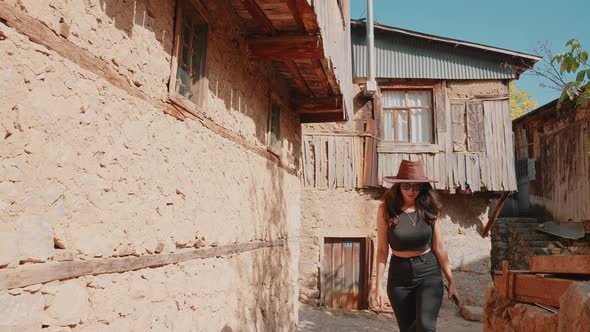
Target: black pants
(415,290)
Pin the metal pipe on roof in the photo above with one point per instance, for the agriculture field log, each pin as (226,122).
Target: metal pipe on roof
(371,86)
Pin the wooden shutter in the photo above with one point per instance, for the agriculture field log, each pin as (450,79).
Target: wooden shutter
(475,127)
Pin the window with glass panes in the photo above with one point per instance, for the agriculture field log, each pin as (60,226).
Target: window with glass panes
(407,116)
(192,41)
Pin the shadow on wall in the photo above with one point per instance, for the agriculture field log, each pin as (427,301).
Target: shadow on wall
(242,85)
(467,210)
(127,14)
(270,284)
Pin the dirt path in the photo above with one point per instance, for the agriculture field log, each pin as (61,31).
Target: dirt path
(312,319)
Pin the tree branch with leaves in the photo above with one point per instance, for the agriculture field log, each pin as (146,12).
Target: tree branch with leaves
(567,72)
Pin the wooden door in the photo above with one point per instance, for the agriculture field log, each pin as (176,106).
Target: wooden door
(344,273)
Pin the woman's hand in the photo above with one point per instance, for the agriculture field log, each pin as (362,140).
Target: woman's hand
(453,295)
(377,299)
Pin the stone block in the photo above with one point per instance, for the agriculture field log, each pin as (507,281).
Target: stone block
(474,313)
(35,239)
(22,312)
(8,247)
(574,313)
(68,305)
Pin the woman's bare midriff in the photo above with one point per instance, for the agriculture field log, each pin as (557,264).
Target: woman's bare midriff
(408,254)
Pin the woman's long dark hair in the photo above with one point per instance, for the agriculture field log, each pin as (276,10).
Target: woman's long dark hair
(428,204)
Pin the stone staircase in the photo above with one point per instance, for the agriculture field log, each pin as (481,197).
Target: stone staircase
(516,239)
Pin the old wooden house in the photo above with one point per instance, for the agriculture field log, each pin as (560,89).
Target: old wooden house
(150,159)
(552,152)
(440,100)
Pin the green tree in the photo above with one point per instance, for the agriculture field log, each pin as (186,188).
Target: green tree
(567,72)
(575,62)
(520,101)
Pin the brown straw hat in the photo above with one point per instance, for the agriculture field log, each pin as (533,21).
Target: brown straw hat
(409,171)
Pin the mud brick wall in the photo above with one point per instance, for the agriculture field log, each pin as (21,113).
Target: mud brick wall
(90,171)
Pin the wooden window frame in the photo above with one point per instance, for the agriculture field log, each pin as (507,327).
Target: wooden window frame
(173,96)
(396,111)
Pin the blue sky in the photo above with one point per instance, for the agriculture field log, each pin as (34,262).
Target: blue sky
(516,25)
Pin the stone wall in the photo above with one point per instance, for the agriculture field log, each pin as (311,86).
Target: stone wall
(353,213)
(90,172)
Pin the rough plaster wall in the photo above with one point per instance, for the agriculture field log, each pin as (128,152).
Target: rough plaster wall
(97,173)
(468,89)
(353,213)
(200,295)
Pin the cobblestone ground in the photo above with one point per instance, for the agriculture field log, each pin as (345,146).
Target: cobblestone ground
(312,319)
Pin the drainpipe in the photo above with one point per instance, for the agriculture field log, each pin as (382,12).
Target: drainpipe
(371,86)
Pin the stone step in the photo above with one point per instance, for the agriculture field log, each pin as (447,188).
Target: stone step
(538,236)
(518,220)
(545,244)
(551,251)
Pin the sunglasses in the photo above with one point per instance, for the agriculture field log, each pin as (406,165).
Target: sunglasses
(407,186)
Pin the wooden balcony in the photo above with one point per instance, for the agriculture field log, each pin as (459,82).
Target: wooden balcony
(308,43)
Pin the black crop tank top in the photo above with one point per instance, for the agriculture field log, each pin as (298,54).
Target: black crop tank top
(405,236)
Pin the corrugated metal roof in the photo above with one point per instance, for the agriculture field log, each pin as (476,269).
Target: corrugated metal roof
(401,56)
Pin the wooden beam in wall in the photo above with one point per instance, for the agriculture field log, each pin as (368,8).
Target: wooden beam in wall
(567,264)
(298,78)
(258,15)
(32,274)
(286,47)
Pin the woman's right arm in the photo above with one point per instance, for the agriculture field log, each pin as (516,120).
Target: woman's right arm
(382,254)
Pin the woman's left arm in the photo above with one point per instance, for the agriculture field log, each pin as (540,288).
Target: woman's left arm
(438,245)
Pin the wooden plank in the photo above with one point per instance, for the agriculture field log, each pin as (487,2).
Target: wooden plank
(458,129)
(345,161)
(339,162)
(285,47)
(318,104)
(331,163)
(440,110)
(294,7)
(31,274)
(322,77)
(258,15)
(491,149)
(299,80)
(318,164)
(570,264)
(537,289)
(509,161)
(460,164)
(475,127)
(327,290)
(476,176)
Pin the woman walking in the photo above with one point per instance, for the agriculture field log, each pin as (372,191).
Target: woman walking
(407,222)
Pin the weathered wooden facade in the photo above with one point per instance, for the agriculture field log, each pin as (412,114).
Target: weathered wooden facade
(150,159)
(462,132)
(552,154)
(440,100)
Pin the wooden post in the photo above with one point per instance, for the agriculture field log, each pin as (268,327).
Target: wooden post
(495,214)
